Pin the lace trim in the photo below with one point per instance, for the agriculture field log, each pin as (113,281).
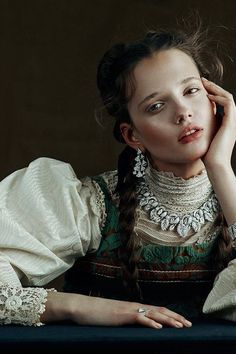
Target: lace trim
(148,232)
(232,231)
(22,305)
(182,222)
(177,193)
(168,174)
(100,203)
(111,179)
(97,200)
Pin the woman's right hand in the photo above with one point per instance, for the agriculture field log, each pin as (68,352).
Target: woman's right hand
(96,311)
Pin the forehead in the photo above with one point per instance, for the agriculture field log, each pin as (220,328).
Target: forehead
(164,68)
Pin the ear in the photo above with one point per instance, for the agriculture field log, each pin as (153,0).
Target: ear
(129,137)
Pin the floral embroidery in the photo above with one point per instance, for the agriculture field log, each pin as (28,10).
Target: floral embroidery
(170,221)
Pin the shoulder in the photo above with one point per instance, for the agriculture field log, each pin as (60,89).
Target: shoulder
(42,177)
(46,164)
(107,180)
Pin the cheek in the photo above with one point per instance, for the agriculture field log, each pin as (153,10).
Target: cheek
(213,126)
(211,106)
(152,133)
(208,112)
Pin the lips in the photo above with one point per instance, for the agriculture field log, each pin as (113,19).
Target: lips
(188,131)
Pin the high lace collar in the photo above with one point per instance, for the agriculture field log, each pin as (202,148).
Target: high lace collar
(177,191)
(175,203)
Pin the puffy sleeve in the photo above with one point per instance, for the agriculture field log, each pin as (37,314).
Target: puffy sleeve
(48,218)
(22,306)
(221,302)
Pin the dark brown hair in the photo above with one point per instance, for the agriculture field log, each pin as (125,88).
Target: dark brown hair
(115,81)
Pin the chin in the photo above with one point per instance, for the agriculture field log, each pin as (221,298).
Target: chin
(198,153)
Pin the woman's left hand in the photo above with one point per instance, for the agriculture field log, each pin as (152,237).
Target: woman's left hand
(217,160)
(221,147)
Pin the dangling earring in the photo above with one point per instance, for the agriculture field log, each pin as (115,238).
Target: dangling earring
(140,164)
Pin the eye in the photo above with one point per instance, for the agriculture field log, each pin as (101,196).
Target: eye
(155,107)
(192,90)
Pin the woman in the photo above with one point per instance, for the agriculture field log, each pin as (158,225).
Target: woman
(149,239)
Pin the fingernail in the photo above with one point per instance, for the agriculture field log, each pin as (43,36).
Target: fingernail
(188,323)
(203,78)
(178,324)
(158,325)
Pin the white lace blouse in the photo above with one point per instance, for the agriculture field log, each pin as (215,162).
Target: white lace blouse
(49,218)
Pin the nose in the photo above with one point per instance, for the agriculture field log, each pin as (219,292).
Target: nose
(183,117)
(182,110)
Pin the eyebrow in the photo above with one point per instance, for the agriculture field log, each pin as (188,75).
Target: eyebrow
(184,81)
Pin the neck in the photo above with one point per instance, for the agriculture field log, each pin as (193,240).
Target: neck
(184,171)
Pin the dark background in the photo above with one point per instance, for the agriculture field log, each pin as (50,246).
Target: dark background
(49,50)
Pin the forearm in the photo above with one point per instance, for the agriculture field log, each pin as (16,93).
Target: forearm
(84,310)
(37,306)
(59,306)
(224,184)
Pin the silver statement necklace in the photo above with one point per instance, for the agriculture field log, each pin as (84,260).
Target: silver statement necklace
(185,218)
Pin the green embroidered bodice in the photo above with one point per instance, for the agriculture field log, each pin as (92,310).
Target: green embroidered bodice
(164,267)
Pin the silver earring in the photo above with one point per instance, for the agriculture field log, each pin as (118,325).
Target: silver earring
(140,164)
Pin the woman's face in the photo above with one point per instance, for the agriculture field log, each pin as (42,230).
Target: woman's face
(173,119)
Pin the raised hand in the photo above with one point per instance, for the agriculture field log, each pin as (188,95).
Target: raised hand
(217,160)
(220,150)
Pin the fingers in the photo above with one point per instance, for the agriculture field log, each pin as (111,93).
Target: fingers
(169,317)
(155,317)
(220,96)
(215,89)
(225,102)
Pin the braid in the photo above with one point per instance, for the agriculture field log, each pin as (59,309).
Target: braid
(223,249)
(129,252)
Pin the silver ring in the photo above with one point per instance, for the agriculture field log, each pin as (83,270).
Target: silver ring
(142,310)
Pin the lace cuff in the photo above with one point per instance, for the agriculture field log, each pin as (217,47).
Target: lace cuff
(22,305)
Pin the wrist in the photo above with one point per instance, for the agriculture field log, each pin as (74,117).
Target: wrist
(223,180)
(219,170)
(58,307)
